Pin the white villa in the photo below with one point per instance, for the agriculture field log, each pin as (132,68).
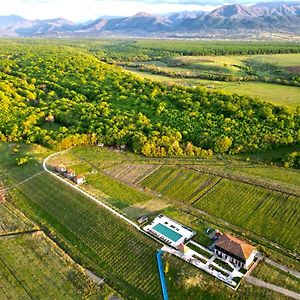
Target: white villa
(235,251)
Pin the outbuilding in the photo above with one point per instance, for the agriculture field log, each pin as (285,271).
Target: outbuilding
(70,173)
(142,219)
(79,179)
(61,168)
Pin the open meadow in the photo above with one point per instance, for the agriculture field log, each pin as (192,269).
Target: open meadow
(214,73)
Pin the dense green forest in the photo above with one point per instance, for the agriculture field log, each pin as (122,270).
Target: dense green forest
(62,95)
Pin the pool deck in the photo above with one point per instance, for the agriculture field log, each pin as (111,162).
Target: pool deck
(169,231)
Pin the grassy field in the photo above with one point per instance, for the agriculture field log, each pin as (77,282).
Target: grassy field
(116,190)
(12,220)
(276,276)
(269,92)
(32,267)
(232,64)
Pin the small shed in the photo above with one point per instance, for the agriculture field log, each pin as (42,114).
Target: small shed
(142,219)
(70,173)
(79,179)
(183,248)
(61,168)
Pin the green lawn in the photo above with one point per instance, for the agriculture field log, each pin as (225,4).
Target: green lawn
(32,267)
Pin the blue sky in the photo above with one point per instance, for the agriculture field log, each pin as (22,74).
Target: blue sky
(82,10)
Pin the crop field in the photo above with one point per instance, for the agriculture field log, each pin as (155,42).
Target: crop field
(180,184)
(116,190)
(12,220)
(32,267)
(270,214)
(103,242)
(276,276)
(132,173)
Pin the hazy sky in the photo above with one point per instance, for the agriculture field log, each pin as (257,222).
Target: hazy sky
(82,10)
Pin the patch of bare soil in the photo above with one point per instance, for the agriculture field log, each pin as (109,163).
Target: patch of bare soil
(2,194)
(295,69)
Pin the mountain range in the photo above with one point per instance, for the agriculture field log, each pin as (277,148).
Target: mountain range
(276,16)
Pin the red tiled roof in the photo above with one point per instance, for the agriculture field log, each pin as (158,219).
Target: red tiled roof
(235,246)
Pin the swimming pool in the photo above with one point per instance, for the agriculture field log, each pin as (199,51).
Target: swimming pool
(167,232)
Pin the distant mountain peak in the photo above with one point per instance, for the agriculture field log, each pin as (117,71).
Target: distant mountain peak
(271,16)
(142,14)
(232,10)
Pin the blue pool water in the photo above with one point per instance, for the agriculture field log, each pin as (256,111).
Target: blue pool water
(167,232)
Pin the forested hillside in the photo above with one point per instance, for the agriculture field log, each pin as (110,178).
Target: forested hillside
(59,96)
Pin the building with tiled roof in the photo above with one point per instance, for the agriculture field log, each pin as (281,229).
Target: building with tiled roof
(61,168)
(79,179)
(70,173)
(235,251)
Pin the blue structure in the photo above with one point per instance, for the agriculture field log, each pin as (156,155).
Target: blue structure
(162,275)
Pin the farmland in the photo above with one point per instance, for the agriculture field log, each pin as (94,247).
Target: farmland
(259,210)
(185,185)
(105,244)
(95,237)
(31,267)
(197,70)
(12,220)
(270,214)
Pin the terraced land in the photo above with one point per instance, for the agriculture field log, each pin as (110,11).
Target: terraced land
(180,184)
(273,215)
(97,238)
(31,267)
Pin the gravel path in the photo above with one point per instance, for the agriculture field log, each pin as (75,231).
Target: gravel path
(282,267)
(275,288)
